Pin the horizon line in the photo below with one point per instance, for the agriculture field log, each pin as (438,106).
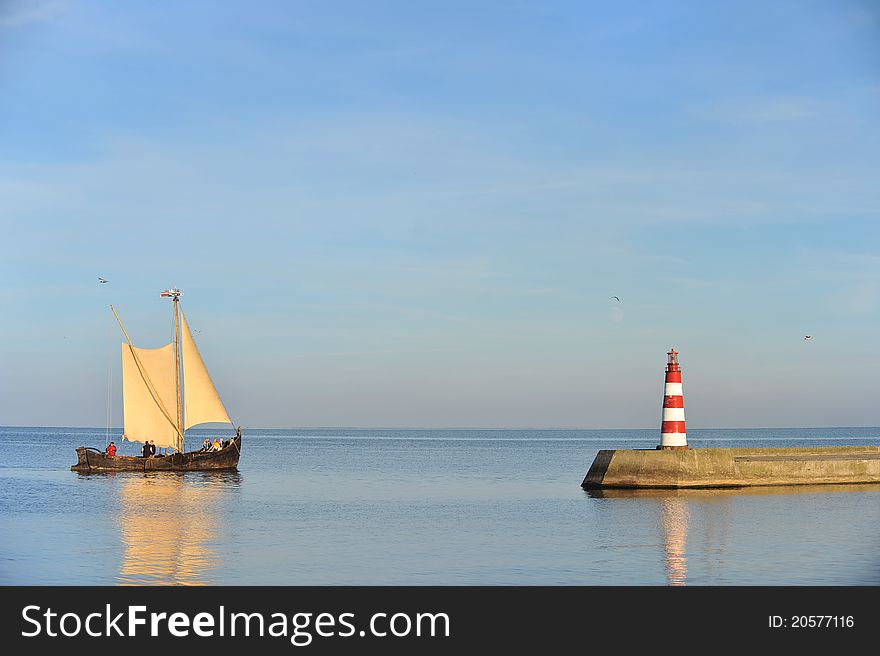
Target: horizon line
(472,428)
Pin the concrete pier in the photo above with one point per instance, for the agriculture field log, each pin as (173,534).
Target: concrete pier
(683,468)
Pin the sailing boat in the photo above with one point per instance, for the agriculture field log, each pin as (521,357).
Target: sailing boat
(154,381)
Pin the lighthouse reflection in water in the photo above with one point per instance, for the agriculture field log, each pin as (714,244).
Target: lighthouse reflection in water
(674,522)
(702,529)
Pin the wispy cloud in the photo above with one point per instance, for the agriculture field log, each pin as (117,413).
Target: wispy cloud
(861,299)
(24,12)
(348,354)
(767,109)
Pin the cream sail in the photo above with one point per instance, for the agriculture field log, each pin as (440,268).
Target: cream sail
(201,402)
(166,391)
(148,390)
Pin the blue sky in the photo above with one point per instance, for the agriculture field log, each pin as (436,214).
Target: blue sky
(415,214)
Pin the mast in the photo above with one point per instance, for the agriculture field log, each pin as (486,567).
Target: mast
(175,294)
(177,370)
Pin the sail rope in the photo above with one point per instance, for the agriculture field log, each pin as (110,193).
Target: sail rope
(109,382)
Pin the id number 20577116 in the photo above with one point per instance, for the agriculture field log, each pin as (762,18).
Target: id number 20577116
(811,622)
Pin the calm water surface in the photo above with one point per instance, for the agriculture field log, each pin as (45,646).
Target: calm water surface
(498,507)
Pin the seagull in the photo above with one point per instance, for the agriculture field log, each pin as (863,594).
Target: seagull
(618,300)
(101,280)
(808,337)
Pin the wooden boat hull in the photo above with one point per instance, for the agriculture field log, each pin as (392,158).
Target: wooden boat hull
(91,460)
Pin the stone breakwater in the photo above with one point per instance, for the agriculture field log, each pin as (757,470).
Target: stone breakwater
(649,468)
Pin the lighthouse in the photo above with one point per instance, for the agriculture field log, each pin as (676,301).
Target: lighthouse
(673,464)
(672,432)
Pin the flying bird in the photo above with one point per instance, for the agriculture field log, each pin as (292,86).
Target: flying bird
(101,280)
(618,300)
(808,337)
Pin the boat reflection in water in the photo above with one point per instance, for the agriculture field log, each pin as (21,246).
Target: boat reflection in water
(710,509)
(168,524)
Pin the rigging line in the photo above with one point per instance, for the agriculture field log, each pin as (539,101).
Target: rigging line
(109,381)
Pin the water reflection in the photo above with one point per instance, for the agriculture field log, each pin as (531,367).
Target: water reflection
(675,506)
(721,492)
(674,523)
(168,524)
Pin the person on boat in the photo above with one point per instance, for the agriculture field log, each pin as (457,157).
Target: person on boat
(206,445)
(216,446)
(152,448)
(145,452)
(111,450)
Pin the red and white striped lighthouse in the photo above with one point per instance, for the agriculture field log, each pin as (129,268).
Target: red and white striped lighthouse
(672,432)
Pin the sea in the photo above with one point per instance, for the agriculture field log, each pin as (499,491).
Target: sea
(345,506)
